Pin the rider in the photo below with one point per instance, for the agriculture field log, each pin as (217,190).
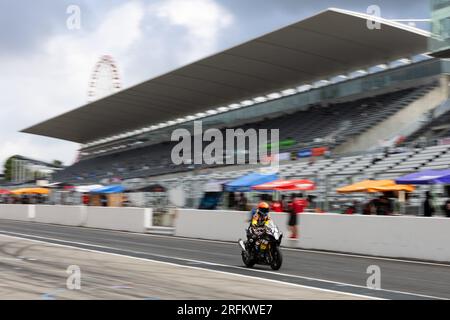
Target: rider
(260,218)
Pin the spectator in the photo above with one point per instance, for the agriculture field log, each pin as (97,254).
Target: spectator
(126,201)
(369,208)
(292,222)
(104,200)
(39,198)
(85,199)
(232,203)
(242,202)
(311,203)
(428,209)
(25,199)
(297,206)
(447,208)
(383,206)
(276,206)
(351,208)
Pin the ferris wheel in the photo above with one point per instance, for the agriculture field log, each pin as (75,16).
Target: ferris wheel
(105,79)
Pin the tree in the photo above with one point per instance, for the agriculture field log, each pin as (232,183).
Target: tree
(57,163)
(8,167)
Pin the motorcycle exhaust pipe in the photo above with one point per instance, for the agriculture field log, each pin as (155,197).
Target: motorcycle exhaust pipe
(241,244)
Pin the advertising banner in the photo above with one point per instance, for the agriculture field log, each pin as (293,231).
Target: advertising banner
(304,153)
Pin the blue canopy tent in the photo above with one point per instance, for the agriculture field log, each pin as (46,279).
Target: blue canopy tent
(244,184)
(109,189)
(426,177)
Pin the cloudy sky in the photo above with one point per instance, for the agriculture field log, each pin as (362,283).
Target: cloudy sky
(46,66)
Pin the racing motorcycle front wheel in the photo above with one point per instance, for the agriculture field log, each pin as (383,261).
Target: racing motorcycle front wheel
(247,259)
(277,260)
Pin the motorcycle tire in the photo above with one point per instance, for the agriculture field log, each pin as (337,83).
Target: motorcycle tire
(248,262)
(277,259)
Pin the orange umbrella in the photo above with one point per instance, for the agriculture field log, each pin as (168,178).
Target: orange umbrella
(30,191)
(396,187)
(375,186)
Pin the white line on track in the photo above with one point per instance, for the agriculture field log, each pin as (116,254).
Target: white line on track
(220,265)
(360,256)
(177,265)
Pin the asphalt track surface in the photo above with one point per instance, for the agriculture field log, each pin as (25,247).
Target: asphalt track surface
(400,279)
(38,270)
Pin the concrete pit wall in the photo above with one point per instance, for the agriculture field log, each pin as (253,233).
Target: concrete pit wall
(388,236)
(407,237)
(219,225)
(121,219)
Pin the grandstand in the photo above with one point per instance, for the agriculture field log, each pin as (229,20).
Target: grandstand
(330,174)
(304,127)
(326,81)
(437,128)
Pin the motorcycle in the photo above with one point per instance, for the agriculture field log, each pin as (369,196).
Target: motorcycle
(262,247)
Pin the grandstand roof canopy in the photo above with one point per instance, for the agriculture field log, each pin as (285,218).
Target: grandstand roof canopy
(330,43)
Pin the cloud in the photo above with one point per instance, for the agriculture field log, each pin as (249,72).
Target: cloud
(55,78)
(145,39)
(200,21)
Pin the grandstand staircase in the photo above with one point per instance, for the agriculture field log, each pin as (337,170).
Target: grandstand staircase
(405,112)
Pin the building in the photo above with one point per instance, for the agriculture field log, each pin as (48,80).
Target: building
(25,170)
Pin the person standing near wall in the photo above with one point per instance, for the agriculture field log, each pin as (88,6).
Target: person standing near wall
(232,200)
(447,208)
(292,221)
(104,200)
(428,209)
(126,201)
(85,199)
(276,206)
(297,206)
(242,204)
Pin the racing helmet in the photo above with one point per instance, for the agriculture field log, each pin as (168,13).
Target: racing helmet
(263,208)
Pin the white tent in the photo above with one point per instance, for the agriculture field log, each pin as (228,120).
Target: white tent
(85,189)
